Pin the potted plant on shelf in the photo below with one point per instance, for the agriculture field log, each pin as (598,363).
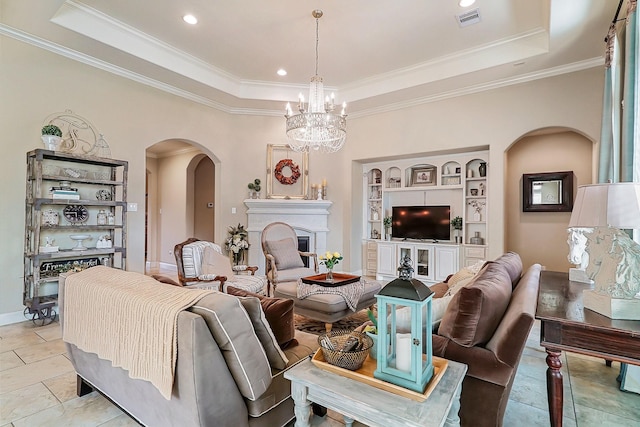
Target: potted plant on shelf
(52,137)
(456,223)
(387,227)
(254,189)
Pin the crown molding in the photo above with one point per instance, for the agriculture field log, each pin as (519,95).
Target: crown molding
(119,71)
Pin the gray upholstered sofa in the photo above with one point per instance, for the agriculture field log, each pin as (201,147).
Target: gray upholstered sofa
(207,389)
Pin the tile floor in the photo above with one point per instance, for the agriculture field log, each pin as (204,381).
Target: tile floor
(38,384)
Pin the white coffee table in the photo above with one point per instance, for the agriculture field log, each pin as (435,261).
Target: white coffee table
(372,406)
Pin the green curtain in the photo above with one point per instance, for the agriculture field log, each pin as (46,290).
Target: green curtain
(619,156)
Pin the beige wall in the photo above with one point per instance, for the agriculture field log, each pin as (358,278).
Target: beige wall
(541,237)
(35,83)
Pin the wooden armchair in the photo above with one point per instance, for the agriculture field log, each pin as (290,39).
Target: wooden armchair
(283,259)
(199,263)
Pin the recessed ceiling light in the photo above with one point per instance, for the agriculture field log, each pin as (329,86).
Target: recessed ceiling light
(466,3)
(282,72)
(190,19)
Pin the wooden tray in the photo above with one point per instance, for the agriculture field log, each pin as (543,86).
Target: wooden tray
(365,375)
(339,279)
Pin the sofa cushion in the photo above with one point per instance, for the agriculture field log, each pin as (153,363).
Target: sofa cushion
(513,265)
(286,253)
(233,331)
(277,311)
(276,357)
(476,309)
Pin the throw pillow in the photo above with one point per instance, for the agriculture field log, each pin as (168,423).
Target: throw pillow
(277,311)
(276,357)
(476,310)
(286,253)
(216,264)
(232,330)
(438,308)
(163,279)
(459,285)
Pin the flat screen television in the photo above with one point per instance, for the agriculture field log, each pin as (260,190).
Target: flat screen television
(421,222)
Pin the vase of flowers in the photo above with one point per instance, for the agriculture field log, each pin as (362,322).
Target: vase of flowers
(330,260)
(237,243)
(477,206)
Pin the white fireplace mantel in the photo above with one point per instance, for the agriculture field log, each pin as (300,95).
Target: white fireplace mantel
(307,217)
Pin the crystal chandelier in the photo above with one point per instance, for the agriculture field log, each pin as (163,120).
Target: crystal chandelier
(317,127)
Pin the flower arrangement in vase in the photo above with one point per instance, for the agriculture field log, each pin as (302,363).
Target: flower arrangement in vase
(477,206)
(372,331)
(51,137)
(237,243)
(330,260)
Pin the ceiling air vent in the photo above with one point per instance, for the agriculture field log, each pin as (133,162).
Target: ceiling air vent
(468,18)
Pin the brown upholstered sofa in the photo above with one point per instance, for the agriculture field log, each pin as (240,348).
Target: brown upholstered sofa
(206,388)
(485,326)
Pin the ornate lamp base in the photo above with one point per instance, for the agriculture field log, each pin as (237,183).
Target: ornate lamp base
(614,308)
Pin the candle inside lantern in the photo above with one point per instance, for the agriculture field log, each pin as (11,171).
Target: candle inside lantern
(403,352)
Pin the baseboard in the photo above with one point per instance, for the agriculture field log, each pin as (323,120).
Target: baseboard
(155,265)
(11,318)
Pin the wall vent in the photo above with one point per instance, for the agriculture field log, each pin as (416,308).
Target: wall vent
(468,18)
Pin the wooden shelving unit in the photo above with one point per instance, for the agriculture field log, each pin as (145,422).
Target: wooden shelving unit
(45,222)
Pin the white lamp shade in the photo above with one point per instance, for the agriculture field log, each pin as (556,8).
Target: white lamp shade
(607,205)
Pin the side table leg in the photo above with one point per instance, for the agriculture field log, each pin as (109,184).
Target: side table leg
(302,406)
(554,387)
(453,417)
(348,422)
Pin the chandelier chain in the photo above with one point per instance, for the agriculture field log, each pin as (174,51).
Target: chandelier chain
(317,43)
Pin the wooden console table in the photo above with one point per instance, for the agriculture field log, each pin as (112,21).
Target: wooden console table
(567,325)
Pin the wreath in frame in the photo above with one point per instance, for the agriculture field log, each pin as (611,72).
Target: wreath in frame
(286,180)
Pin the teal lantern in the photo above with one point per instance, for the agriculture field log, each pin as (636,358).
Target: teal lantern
(401,360)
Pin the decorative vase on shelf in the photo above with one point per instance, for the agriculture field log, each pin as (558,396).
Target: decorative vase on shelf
(476,216)
(482,169)
(329,277)
(52,142)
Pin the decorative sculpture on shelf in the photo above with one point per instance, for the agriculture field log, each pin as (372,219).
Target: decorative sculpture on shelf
(79,136)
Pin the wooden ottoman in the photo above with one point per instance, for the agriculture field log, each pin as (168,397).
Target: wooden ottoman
(327,308)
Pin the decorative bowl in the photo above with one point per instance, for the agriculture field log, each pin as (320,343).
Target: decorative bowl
(333,345)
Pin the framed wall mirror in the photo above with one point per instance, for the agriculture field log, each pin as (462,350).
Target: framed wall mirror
(547,192)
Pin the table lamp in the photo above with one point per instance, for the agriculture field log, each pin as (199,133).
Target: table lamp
(602,210)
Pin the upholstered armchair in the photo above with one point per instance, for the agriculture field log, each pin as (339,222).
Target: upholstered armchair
(202,264)
(283,259)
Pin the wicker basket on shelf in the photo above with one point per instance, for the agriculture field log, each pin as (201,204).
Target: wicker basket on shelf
(333,345)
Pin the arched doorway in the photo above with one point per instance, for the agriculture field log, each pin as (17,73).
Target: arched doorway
(180,200)
(541,237)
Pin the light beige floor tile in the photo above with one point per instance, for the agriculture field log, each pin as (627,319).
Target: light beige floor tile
(592,417)
(26,401)
(121,421)
(36,352)
(23,327)
(63,387)
(87,411)
(520,415)
(19,341)
(16,378)
(605,398)
(50,332)
(8,360)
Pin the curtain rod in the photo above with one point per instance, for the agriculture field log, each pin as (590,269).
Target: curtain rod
(615,19)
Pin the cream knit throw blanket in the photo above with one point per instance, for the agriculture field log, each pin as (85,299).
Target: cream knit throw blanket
(129,319)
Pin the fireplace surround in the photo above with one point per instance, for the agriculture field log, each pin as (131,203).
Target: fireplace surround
(309,218)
